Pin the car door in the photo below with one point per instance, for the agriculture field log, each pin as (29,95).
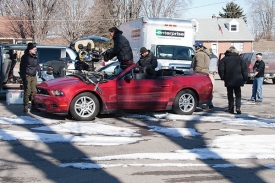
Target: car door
(148,94)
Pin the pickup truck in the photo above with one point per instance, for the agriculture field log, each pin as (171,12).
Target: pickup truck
(10,56)
(268,58)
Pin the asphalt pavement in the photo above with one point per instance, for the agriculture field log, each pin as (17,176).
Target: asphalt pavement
(29,161)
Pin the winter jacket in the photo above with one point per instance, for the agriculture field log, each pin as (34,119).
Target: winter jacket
(259,66)
(201,60)
(149,61)
(233,70)
(121,48)
(29,65)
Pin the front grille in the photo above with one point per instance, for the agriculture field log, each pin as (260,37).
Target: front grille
(42,91)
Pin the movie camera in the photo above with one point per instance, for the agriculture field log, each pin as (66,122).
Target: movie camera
(87,53)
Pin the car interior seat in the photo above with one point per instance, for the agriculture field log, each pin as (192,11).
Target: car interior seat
(166,72)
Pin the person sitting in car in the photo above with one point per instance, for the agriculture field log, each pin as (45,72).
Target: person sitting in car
(147,62)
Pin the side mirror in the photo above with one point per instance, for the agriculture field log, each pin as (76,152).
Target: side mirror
(128,78)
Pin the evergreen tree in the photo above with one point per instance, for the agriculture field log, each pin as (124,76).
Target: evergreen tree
(232,10)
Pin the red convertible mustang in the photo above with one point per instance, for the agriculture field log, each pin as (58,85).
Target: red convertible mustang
(120,86)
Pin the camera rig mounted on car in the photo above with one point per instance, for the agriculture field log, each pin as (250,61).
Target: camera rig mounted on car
(87,54)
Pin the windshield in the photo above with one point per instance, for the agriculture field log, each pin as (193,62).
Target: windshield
(112,70)
(174,52)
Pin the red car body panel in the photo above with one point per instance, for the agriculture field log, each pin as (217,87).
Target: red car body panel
(120,94)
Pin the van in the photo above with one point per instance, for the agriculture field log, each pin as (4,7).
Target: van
(10,56)
(268,58)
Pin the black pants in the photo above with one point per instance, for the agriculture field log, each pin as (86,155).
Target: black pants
(230,97)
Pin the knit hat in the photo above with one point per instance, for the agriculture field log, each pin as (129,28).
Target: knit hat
(143,50)
(31,46)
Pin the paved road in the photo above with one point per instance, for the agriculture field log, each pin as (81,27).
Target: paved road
(28,161)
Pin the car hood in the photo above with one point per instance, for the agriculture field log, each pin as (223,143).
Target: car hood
(60,83)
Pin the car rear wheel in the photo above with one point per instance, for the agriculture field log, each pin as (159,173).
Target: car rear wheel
(185,102)
(84,107)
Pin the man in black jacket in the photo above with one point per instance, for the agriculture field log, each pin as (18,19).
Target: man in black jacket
(233,70)
(147,62)
(121,49)
(29,66)
(259,69)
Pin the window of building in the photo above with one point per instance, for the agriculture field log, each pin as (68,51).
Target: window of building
(233,27)
(238,46)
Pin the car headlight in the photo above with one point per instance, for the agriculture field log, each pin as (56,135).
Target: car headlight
(57,92)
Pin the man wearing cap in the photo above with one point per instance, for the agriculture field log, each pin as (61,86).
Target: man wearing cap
(201,58)
(201,61)
(29,66)
(147,62)
(121,49)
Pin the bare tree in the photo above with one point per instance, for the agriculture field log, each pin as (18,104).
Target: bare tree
(164,8)
(74,16)
(109,13)
(32,15)
(262,15)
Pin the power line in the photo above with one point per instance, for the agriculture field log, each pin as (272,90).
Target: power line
(206,5)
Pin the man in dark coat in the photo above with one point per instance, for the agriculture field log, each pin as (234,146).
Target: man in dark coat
(121,49)
(147,62)
(29,66)
(233,70)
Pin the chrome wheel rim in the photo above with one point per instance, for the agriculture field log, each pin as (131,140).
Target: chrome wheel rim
(186,102)
(84,106)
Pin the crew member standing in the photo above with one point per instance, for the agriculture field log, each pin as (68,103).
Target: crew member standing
(29,66)
(259,69)
(122,49)
(233,71)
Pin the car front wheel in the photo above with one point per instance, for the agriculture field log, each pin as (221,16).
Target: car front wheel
(84,107)
(185,102)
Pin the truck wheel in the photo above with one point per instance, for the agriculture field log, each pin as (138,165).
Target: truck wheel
(84,107)
(185,102)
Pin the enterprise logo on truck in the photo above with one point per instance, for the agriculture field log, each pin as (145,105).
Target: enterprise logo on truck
(169,33)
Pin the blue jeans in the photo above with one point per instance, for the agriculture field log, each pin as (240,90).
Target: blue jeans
(257,89)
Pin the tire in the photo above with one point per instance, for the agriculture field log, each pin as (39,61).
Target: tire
(84,107)
(185,102)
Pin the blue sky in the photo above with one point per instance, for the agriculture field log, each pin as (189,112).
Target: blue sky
(206,8)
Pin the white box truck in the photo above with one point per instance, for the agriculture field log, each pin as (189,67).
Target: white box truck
(171,40)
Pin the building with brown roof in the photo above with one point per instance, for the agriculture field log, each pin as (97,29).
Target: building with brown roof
(14,30)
